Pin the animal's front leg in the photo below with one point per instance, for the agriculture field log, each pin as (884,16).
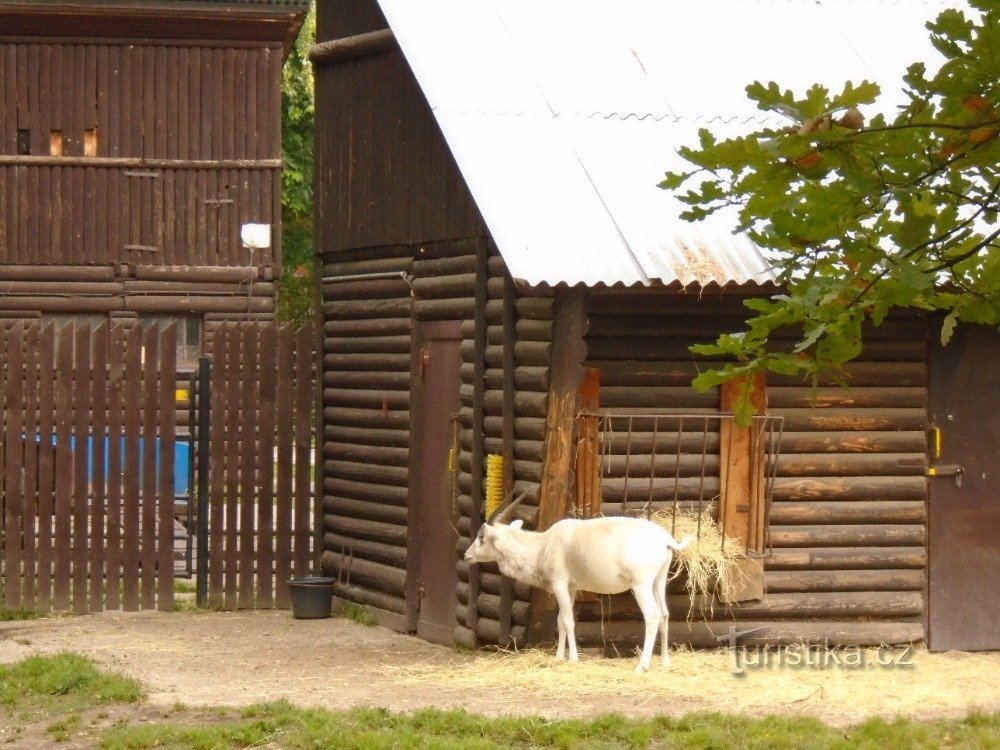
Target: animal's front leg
(651,617)
(565,621)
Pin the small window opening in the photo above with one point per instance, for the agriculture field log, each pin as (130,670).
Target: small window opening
(24,142)
(56,143)
(90,142)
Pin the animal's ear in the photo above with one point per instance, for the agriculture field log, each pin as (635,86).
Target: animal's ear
(516,524)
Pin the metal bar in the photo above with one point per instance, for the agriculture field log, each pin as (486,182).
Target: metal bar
(652,467)
(677,471)
(189,525)
(628,461)
(204,403)
(105,162)
(365,276)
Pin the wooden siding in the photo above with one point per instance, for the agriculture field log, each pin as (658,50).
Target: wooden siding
(847,521)
(385,174)
(187,149)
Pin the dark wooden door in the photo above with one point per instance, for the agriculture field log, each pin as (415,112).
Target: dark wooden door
(964,506)
(432,555)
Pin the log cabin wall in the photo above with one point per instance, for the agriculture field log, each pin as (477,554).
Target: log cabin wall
(847,523)
(129,160)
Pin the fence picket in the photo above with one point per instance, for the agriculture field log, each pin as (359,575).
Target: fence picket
(217,468)
(131,538)
(249,379)
(99,435)
(81,465)
(13,463)
(265,454)
(303,458)
(167,386)
(233,430)
(115,395)
(46,463)
(284,439)
(150,346)
(63,467)
(31,449)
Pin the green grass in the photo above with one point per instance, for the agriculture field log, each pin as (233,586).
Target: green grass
(357,613)
(184,586)
(8,615)
(282,725)
(69,680)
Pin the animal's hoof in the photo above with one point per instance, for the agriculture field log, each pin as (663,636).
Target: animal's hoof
(641,668)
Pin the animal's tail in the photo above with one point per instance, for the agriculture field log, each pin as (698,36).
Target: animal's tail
(674,544)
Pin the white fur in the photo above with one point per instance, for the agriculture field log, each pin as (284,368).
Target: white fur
(604,555)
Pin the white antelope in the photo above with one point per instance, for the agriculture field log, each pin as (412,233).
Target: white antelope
(603,555)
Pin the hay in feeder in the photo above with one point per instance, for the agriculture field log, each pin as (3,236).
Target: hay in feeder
(710,561)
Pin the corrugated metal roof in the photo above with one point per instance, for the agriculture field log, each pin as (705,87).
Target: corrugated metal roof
(563,115)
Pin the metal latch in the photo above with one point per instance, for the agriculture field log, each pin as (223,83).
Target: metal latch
(947,470)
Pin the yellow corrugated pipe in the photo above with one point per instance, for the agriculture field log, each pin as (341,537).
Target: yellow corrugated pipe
(494,483)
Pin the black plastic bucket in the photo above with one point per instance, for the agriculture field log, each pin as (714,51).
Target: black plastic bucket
(312,597)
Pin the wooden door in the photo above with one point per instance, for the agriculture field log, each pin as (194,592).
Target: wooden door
(431,552)
(964,505)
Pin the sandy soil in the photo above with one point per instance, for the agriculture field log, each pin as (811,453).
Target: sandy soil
(238,658)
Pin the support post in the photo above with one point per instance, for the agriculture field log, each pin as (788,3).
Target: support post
(204,406)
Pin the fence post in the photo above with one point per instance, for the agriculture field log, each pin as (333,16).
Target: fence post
(204,405)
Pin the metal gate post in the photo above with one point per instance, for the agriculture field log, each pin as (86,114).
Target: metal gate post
(204,406)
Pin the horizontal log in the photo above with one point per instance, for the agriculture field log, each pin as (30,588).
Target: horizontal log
(366,436)
(399,258)
(851,464)
(365,510)
(653,396)
(677,349)
(460,286)
(355,571)
(216,274)
(371,418)
(367,399)
(534,330)
(663,489)
(848,535)
(487,630)
(846,558)
(377,362)
(535,308)
(813,420)
(488,605)
(664,465)
(379,600)
(389,287)
(854,442)
(368,454)
(639,373)
(355,528)
(850,488)
(458,264)
(366,472)
(783,397)
(362,308)
(379,493)
(371,327)
(387,554)
(109,162)
(530,353)
(390,381)
(56,273)
(184,303)
(444,309)
(626,636)
(491,582)
(789,581)
(526,378)
(66,288)
(619,437)
(858,512)
(368,344)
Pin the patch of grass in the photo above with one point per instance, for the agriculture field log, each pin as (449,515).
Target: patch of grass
(9,615)
(184,586)
(283,725)
(61,730)
(22,641)
(63,682)
(358,613)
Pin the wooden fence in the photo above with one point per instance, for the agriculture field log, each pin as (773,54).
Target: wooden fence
(88,466)
(261,510)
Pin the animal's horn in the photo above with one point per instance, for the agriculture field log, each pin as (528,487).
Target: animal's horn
(503,514)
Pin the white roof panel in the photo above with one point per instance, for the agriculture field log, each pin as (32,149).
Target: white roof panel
(563,115)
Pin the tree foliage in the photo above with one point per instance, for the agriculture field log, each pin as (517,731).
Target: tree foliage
(861,217)
(295,289)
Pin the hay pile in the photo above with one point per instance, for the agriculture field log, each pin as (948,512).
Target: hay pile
(710,561)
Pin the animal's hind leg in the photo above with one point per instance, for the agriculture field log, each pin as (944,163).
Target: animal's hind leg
(651,616)
(660,593)
(567,632)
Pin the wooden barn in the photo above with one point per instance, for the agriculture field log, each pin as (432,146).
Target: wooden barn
(501,277)
(136,141)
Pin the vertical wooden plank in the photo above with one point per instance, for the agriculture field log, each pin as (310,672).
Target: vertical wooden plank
(46,463)
(81,466)
(251,115)
(236,96)
(266,372)
(116,82)
(167,370)
(103,83)
(13,463)
(98,494)
(150,345)
(248,462)
(233,428)
(181,126)
(31,449)
(131,541)
(116,442)
(217,448)
(63,466)
(303,455)
(284,377)
(232,81)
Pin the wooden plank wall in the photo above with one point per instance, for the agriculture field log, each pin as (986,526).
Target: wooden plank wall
(847,522)
(366,422)
(261,512)
(78,534)
(187,149)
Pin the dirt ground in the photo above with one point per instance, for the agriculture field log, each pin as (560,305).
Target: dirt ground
(238,658)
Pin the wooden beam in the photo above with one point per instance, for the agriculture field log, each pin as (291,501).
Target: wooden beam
(359,45)
(568,353)
(588,476)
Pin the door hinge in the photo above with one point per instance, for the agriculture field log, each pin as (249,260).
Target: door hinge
(947,470)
